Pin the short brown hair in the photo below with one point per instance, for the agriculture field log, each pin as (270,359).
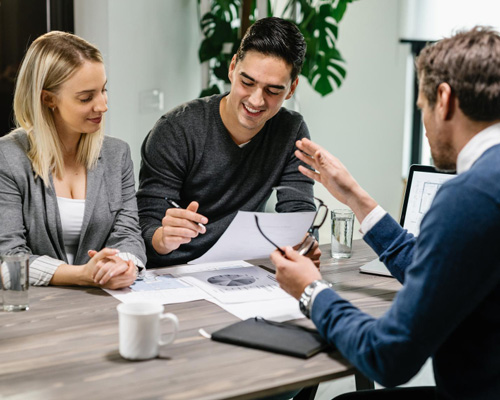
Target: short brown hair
(469,62)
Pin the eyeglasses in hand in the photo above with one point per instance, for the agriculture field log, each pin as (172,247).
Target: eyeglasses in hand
(318,221)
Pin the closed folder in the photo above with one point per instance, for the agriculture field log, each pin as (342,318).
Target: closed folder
(283,338)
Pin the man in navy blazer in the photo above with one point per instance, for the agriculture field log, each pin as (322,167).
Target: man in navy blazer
(448,308)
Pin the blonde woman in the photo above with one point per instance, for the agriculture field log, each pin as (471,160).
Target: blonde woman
(67,191)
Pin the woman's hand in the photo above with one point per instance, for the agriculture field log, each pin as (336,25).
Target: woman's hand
(107,270)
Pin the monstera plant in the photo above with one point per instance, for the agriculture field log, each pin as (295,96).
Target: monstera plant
(318,20)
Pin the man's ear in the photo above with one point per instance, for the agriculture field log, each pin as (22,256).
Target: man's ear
(48,99)
(445,101)
(292,88)
(232,66)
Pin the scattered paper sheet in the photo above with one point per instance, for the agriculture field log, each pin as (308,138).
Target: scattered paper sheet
(166,286)
(278,310)
(243,241)
(238,287)
(238,284)
(160,287)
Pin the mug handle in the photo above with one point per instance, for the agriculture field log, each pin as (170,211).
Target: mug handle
(171,336)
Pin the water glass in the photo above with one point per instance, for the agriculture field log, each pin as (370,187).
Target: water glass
(14,279)
(342,229)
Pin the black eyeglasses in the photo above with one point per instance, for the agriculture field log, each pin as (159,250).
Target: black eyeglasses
(318,221)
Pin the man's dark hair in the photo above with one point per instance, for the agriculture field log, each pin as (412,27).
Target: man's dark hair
(275,37)
(470,63)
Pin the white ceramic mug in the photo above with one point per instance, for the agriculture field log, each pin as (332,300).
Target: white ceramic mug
(139,327)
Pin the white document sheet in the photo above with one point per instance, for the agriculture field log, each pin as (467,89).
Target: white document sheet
(159,287)
(166,286)
(238,284)
(278,310)
(243,241)
(238,287)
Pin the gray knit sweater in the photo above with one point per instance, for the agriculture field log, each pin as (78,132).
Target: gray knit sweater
(190,156)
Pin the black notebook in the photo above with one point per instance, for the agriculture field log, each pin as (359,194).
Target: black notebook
(283,338)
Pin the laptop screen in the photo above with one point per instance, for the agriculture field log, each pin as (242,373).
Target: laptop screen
(423,183)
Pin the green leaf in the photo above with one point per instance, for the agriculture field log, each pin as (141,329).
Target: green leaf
(216,28)
(335,54)
(214,89)
(306,13)
(339,11)
(269,8)
(323,65)
(208,49)
(326,26)
(227,10)
(221,69)
(216,32)
(326,73)
(236,45)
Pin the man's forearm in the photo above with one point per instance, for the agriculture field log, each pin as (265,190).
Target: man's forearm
(361,203)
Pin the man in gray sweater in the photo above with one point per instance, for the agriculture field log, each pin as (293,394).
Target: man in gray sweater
(220,154)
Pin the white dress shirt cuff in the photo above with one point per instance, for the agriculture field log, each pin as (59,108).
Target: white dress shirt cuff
(371,219)
(42,269)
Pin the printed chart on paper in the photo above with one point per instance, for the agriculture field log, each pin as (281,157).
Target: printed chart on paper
(237,284)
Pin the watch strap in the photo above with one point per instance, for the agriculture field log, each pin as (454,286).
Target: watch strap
(305,301)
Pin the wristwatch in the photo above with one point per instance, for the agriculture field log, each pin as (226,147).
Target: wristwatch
(305,298)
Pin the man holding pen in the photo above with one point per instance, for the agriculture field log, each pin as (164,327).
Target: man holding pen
(209,158)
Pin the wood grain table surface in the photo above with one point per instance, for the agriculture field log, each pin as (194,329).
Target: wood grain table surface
(66,346)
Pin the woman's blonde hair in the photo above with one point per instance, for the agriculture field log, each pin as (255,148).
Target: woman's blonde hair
(49,62)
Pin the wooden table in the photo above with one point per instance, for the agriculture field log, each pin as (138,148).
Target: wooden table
(66,347)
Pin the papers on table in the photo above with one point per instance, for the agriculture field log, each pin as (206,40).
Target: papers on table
(275,310)
(240,288)
(243,241)
(237,286)
(169,287)
(158,287)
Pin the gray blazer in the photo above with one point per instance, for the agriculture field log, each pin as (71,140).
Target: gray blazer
(29,213)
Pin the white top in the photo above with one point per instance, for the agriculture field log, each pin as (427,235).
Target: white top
(71,212)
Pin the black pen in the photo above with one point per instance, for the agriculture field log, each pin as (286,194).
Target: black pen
(174,204)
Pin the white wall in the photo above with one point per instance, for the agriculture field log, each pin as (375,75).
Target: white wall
(152,44)
(435,19)
(362,122)
(147,45)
